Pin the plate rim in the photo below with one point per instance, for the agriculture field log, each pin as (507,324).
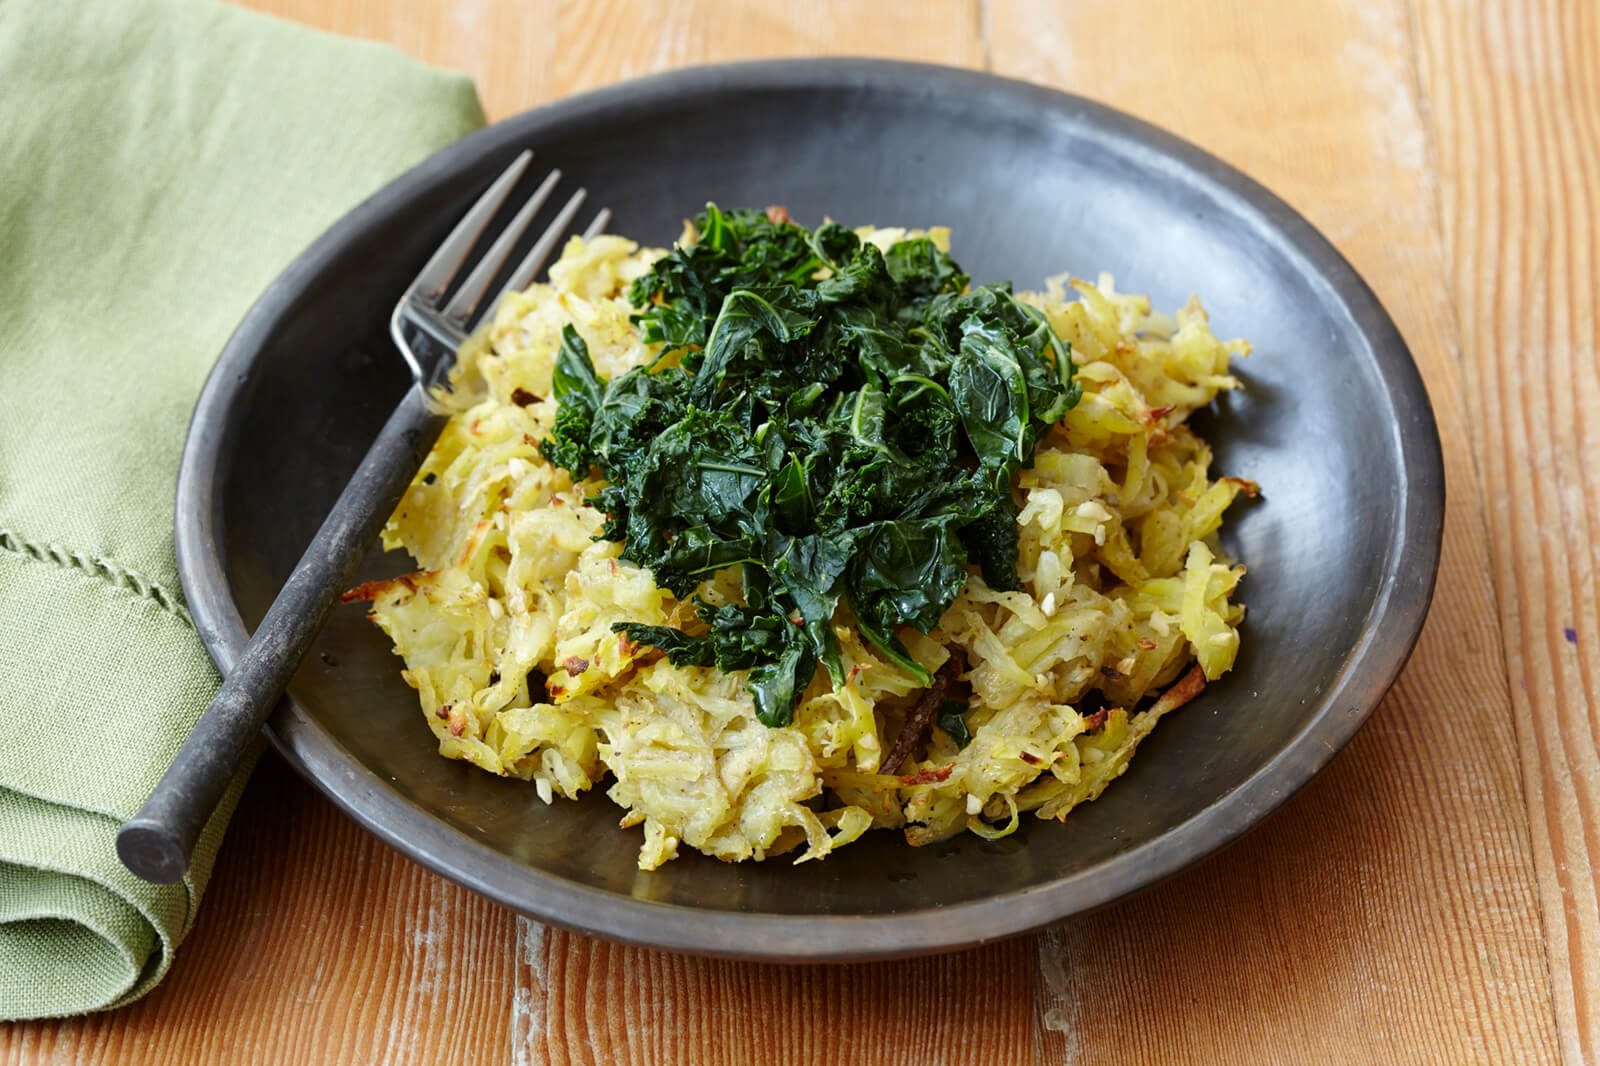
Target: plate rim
(1389,633)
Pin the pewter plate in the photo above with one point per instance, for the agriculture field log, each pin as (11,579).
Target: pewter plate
(1334,423)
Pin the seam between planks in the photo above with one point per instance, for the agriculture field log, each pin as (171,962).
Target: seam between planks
(529,994)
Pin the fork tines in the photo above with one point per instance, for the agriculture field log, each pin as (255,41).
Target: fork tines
(467,305)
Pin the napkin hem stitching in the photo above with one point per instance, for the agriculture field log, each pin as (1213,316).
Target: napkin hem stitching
(100,567)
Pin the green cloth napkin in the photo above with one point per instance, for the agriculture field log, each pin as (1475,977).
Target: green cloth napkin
(160,162)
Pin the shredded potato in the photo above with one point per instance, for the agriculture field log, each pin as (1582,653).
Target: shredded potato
(506,630)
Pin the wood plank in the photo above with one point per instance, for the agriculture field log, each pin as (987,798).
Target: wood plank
(603,1003)
(523,53)
(1389,912)
(1514,105)
(315,943)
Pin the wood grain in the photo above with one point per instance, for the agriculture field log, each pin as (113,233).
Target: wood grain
(1389,914)
(1514,99)
(605,1003)
(315,944)
(1392,911)
(524,52)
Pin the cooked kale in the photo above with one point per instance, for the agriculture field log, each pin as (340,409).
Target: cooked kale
(842,424)
(953,720)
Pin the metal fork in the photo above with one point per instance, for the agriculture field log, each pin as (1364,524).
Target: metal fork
(428,330)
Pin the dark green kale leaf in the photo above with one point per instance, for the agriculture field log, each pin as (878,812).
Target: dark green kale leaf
(776,687)
(920,270)
(750,326)
(579,391)
(991,542)
(840,423)
(953,720)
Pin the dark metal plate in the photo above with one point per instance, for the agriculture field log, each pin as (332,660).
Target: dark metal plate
(1334,424)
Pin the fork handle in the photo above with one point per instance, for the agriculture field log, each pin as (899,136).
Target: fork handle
(156,842)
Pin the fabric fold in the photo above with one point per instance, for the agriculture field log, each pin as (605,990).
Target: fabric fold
(163,160)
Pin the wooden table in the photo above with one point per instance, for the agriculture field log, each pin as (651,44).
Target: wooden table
(1430,898)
